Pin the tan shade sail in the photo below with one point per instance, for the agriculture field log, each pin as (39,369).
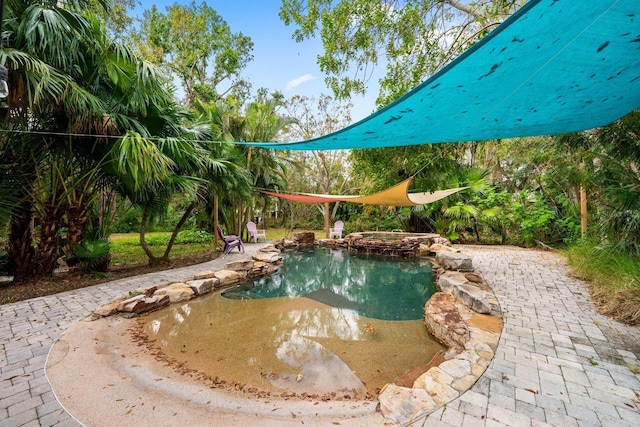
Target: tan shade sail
(398,195)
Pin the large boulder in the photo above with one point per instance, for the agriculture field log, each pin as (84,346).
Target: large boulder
(244,265)
(437,383)
(229,277)
(448,280)
(142,304)
(404,405)
(454,261)
(444,322)
(108,309)
(305,237)
(203,286)
(177,292)
(470,289)
(269,248)
(284,244)
(437,247)
(207,274)
(473,297)
(423,249)
(268,257)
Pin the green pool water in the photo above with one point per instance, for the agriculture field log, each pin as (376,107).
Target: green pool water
(385,288)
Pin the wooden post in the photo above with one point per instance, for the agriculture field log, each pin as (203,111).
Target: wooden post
(327,222)
(216,224)
(583,204)
(583,211)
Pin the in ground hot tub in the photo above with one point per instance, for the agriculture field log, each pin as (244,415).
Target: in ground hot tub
(391,243)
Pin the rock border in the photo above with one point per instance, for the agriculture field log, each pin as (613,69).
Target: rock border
(267,260)
(406,246)
(466,317)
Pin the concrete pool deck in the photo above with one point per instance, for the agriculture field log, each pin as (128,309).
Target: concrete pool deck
(558,361)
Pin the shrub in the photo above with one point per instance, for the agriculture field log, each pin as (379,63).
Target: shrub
(194,236)
(92,255)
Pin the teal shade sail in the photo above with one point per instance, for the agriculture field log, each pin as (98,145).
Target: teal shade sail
(555,66)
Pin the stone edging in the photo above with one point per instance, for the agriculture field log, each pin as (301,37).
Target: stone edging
(466,317)
(267,260)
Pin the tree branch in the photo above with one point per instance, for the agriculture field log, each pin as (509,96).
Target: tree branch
(462,7)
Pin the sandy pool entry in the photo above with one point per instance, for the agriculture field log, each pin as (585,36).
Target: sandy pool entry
(289,345)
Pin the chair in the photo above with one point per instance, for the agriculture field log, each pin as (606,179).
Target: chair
(336,230)
(231,241)
(254,233)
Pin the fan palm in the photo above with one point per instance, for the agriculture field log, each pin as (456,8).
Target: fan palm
(68,78)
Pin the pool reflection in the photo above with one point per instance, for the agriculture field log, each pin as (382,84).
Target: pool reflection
(374,286)
(289,344)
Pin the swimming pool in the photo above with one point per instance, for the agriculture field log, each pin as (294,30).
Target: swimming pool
(329,323)
(374,286)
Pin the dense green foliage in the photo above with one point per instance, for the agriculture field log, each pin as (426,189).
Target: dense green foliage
(196,44)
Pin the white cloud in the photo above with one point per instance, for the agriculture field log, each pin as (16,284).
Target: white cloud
(300,80)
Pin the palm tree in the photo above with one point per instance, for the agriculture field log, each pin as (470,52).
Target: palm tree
(69,82)
(263,123)
(229,187)
(41,44)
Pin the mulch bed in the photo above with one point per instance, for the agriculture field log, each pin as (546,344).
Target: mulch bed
(61,282)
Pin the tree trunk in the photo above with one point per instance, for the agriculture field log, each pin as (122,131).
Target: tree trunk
(176,230)
(475,229)
(153,260)
(583,212)
(327,220)
(106,210)
(248,216)
(216,220)
(19,248)
(47,249)
(77,218)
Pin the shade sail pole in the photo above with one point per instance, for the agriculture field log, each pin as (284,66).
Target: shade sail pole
(326,220)
(583,211)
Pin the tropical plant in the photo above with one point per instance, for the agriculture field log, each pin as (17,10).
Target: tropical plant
(74,93)
(264,169)
(92,255)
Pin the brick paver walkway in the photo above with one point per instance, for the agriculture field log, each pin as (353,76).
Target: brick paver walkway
(558,362)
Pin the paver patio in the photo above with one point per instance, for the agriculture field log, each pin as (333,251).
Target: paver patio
(558,362)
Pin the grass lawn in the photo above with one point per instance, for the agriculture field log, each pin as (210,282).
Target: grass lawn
(614,279)
(126,249)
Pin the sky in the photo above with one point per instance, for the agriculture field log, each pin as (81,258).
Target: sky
(280,63)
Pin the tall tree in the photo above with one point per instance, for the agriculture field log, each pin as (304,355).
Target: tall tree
(197,45)
(263,122)
(45,52)
(413,38)
(321,171)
